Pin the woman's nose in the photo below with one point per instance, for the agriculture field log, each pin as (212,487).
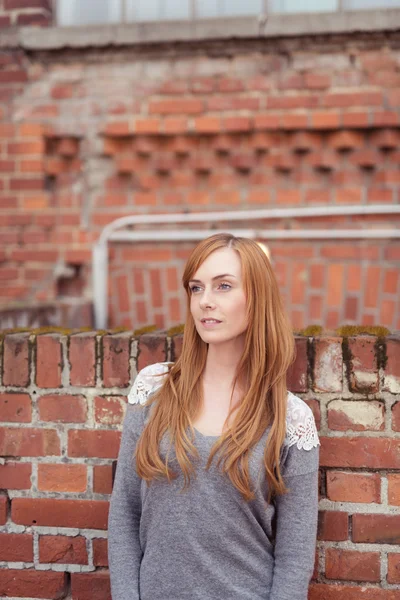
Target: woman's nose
(206,301)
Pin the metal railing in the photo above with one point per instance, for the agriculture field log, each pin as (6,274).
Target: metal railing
(125,9)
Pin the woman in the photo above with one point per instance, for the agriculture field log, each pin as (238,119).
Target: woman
(215,495)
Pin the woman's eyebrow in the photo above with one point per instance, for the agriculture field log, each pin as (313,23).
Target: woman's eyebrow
(214,278)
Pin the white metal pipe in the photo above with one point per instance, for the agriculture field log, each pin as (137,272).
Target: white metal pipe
(267,234)
(248,215)
(100,249)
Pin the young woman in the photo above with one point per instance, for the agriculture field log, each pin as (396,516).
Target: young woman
(216,489)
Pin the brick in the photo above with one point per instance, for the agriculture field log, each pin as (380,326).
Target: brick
(352,565)
(266,121)
(344,486)
(63,549)
(94,444)
(394,489)
(328,364)
(355,119)
(376,529)
(386,139)
(86,586)
(297,380)
(152,348)
(102,479)
(317,81)
(100,552)
(393,575)
(116,350)
(13,76)
(323,591)
(62,478)
(3,508)
(147,126)
(15,408)
(27,583)
(109,410)
(48,361)
(176,107)
(5,21)
(27,441)
(392,368)
(82,359)
(15,476)
(16,547)
(49,512)
(333,526)
(27,148)
(237,124)
(385,118)
(360,452)
(176,348)
(62,408)
(363,364)
(325,120)
(208,125)
(16,360)
(356,415)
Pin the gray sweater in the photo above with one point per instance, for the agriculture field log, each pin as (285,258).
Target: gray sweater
(207,543)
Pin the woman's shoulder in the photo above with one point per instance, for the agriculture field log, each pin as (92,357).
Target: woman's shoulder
(147,381)
(300,424)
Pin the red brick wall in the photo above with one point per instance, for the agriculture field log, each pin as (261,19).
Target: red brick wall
(89,136)
(62,401)
(25,12)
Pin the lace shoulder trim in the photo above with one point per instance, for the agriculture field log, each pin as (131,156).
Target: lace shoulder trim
(300,424)
(148,380)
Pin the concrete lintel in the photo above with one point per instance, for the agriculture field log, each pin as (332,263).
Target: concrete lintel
(54,38)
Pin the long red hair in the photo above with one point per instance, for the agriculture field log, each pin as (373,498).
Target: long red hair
(268,352)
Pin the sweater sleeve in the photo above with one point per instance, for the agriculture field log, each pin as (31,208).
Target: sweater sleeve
(124,551)
(297,511)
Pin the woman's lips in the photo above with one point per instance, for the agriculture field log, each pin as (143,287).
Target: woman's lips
(209,323)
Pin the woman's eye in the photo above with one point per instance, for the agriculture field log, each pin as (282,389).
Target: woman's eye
(226,286)
(194,288)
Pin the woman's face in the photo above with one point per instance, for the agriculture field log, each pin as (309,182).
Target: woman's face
(218,302)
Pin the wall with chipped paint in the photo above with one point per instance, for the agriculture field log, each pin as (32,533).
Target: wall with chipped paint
(62,402)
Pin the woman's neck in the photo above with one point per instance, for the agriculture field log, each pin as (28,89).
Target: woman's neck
(222,361)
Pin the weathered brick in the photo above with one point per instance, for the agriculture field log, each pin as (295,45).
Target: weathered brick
(27,583)
(86,586)
(352,565)
(102,479)
(96,444)
(27,441)
(376,529)
(16,547)
(15,476)
(63,549)
(100,552)
(116,360)
(392,367)
(297,380)
(3,508)
(16,359)
(360,452)
(356,415)
(48,361)
(62,478)
(152,348)
(15,408)
(82,358)
(328,364)
(363,364)
(333,526)
(322,591)
(85,514)
(62,408)
(393,575)
(109,410)
(353,487)
(394,489)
